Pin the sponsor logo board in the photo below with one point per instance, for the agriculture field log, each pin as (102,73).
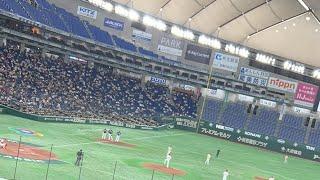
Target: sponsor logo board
(198,54)
(283,85)
(141,35)
(253,76)
(90,13)
(170,45)
(225,62)
(306,94)
(114,24)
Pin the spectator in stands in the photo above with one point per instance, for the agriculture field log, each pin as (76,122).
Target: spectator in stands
(53,86)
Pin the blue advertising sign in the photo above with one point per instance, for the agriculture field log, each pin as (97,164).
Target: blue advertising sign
(114,24)
(157,80)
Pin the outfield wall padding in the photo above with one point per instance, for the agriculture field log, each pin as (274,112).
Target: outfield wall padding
(250,138)
(34,117)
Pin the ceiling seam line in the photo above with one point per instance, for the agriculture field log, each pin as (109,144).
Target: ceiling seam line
(274,13)
(244,13)
(203,8)
(277,23)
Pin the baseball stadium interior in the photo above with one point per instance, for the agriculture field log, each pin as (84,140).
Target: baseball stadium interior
(229,74)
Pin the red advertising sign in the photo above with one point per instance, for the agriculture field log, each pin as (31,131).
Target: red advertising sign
(306,94)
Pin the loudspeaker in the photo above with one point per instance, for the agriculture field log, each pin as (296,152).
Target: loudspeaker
(249,108)
(313,124)
(306,122)
(255,109)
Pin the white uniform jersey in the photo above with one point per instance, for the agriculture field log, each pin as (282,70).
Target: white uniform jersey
(271,178)
(208,156)
(225,175)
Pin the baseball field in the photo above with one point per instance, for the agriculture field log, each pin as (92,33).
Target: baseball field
(134,158)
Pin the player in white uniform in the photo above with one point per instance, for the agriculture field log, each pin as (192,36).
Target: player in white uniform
(3,144)
(225,174)
(118,136)
(110,138)
(271,178)
(167,160)
(207,162)
(285,159)
(104,133)
(169,149)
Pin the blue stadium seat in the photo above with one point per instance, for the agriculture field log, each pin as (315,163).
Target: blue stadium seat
(264,122)
(211,110)
(234,115)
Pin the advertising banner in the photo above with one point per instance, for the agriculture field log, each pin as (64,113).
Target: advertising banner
(245,98)
(90,13)
(253,76)
(268,103)
(252,139)
(170,45)
(300,110)
(114,24)
(157,80)
(283,85)
(225,62)
(306,94)
(198,54)
(141,35)
(216,93)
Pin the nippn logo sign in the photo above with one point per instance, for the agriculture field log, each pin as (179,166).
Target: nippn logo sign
(283,85)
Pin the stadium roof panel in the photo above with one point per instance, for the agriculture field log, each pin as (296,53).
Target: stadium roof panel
(295,39)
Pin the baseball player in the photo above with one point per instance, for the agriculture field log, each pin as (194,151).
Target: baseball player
(79,158)
(271,178)
(225,174)
(3,144)
(169,149)
(285,159)
(217,153)
(207,162)
(110,132)
(118,136)
(167,160)
(104,133)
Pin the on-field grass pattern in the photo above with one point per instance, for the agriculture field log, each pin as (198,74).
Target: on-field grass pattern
(189,153)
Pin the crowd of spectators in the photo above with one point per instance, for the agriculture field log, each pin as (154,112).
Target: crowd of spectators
(54,86)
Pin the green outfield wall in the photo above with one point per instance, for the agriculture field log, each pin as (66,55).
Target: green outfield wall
(249,138)
(61,119)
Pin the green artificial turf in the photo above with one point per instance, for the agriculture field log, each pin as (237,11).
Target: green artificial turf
(189,153)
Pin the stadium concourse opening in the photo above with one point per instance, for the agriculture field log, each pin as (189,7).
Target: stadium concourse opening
(94,89)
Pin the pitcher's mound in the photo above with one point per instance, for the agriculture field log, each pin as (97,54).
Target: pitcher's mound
(123,144)
(163,169)
(259,178)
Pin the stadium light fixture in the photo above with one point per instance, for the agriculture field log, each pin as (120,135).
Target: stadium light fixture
(150,21)
(107,6)
(102,4)
(183,33)
(304,5)
(316,74)
(128,13)
(133,15)
(241,51)
(265,59)
(214,43)
(294,67)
